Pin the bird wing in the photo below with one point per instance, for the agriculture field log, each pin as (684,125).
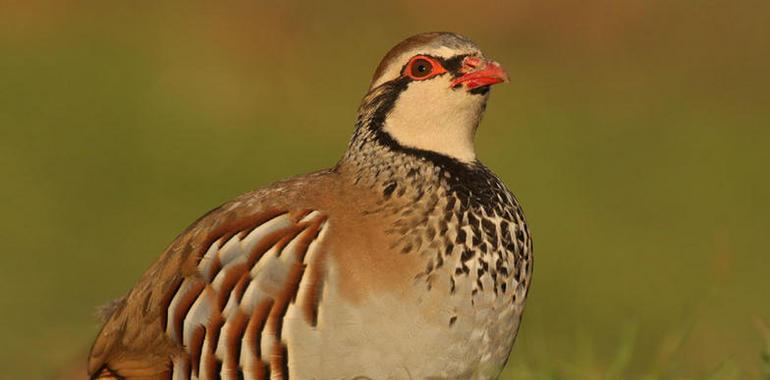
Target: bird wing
(214,304)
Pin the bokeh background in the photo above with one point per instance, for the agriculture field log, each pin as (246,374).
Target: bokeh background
(634,132)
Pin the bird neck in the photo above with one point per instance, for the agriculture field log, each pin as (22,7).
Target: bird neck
(375,160)
(374,157)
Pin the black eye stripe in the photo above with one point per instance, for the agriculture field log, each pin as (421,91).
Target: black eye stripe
(453,64)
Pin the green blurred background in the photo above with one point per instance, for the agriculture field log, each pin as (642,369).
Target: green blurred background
(634,132)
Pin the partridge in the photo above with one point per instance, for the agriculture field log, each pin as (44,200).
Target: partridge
(407,260)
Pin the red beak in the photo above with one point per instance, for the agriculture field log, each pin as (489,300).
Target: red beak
(479,72)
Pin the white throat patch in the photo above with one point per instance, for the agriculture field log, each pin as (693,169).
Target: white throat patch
(428,115)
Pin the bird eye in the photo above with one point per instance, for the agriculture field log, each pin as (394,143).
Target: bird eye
(421,67)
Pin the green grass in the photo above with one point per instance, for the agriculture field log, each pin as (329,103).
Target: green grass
(634,133)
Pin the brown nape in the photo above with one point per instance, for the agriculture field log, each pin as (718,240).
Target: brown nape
(407,44)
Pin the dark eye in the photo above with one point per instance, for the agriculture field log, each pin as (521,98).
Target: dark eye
(421,68)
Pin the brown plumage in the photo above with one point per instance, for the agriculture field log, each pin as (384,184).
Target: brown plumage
(409,259)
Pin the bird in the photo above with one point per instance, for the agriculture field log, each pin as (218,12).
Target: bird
(409,259)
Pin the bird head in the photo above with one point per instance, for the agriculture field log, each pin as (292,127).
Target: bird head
(429,93)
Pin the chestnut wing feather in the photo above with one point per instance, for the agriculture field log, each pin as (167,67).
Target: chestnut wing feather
(222,313)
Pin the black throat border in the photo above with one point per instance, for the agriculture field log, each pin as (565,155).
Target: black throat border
(474,183)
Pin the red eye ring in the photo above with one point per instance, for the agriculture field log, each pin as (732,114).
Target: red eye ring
(422,67)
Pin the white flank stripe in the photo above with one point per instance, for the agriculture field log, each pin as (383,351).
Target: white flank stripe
(205,265)
(170,325)
(231,253)
(199,314)
(180,368)
(279,222)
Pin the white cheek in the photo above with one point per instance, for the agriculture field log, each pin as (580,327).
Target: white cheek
(431,116)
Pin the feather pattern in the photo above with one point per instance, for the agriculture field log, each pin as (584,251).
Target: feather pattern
(244,282)
(406,260)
